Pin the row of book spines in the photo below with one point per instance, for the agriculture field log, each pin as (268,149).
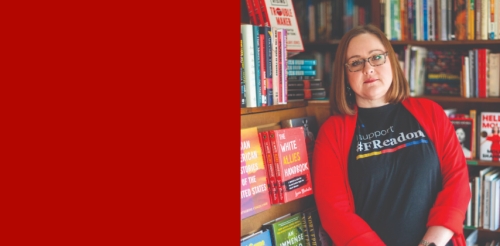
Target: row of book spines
(329,19)
(264,66)
(278,229)
(469,81)
(435,20)
(483,210)
(480,74)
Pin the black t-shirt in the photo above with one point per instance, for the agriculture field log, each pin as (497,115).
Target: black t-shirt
(394,174)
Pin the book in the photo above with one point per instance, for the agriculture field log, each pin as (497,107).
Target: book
(269,162)
(251,12)
(260,238)
(494,74)
(482,72)
(480,200)
(464,129)
(291,163)
(243,102)
(489,141)
(460,19)
(249,64)
(254,193)
(305,84)
(307,94)
(301,62)
(281,14)
(257,70)
(311,128)
(487,183)
(301,72)
(268,61)
(287,231)
(473,116)
(300,67)
(317,235)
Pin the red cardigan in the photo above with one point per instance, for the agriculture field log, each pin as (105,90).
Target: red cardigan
(333,194)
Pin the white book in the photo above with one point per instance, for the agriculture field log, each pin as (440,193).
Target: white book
(468,220)
(467,77)
(494,74)
(443,35)
(488,178)
(482,172)
(477,200)
(249,64)
(495,205)
(485,19)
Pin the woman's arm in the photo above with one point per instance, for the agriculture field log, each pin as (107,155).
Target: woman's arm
(439,235)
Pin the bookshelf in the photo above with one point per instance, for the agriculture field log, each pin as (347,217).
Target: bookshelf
(269,117)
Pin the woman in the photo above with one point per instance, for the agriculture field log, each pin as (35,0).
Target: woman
(388,169)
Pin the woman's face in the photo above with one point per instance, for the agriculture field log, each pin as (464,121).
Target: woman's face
(370,84)
(494,130)
(460,135)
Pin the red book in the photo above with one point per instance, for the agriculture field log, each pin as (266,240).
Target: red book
(482,75)
(291,163)
(264,13)
(251,12)
(258,12)
(269,161)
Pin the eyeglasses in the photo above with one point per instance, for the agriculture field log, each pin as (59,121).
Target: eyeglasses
(375,60)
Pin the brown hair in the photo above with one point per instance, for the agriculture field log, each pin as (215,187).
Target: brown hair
(340,101)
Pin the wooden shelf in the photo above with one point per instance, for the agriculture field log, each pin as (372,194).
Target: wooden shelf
(295,104)
(483,163)
(254,222)
(462,99)
(447,43)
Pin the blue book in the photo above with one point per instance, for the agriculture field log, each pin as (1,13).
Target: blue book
(300,67)
(301,62)
(259,238)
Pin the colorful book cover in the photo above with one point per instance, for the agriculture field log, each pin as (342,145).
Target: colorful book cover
(254,193)
(489,141)
(464,129)
(288,231)
(291,163)
(311,128)
(261,238)
(443,72)
(281,14)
